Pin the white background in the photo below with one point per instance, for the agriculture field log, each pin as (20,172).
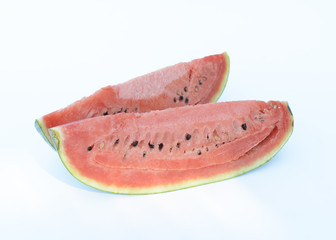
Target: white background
(55,52)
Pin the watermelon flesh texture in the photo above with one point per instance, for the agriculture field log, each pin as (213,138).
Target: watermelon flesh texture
(173,149)
(196,82)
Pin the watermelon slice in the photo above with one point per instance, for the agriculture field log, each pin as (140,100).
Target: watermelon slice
(158,151)
(196,82)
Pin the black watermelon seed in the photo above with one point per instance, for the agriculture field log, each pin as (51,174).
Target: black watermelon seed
(151,145)
(135,143)
(188,136)
(178,145)
(160,146)
(119,111)
(186,100)
(105,113)
(174,99)
(144,154)
(89,148)
(125,110)
(244,126)
(200,82)
(216,145)
(181,98)
(116,141)
(199,152)
(185,89)
(170,149)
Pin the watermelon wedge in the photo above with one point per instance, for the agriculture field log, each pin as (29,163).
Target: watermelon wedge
(159,151)
(196,82)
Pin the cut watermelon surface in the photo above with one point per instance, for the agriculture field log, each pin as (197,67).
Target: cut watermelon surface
(196,82)
(159,151)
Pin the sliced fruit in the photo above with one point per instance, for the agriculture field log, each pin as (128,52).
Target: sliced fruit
(158,151)
(196,82)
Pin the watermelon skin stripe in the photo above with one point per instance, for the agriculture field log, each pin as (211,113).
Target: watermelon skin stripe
(128,93)
(156,181)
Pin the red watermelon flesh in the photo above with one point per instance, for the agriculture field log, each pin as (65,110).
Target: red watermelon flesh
(196,82)
(174,148)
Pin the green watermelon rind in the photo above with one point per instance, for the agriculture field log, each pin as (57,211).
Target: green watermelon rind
(224,79)
(42,130)
(39,125)
(57,139)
